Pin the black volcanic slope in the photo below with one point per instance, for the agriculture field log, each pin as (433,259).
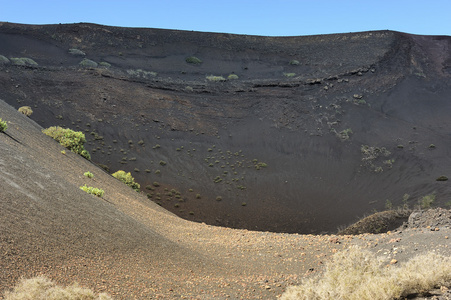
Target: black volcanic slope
(310,134)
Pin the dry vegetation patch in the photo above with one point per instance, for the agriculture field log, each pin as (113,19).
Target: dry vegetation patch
(358,274)
(40,287)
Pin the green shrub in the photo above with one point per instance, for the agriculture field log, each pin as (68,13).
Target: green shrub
(345,134)
(88,174)
(193,60)
(232,77)
(26,110)
(72,140)
(3,125)
(427,201)
(92,190)
(442,178)
(215,78)
(260,165)
(4,60)
(76,52)
(104,167)
(289,74)
(23,61)
(388,205)
(104,64)
(127,178)
(371,155)
(42,288)
(294,62)
(358,274)
(87,63)
(362,102)
(141,73)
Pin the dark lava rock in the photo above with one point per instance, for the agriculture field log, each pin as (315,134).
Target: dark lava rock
(433,218)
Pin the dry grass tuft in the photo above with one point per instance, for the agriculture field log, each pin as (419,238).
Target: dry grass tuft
(41,288)
(358,274)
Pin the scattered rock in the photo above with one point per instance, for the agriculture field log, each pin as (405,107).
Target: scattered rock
(432,218)
(334,240)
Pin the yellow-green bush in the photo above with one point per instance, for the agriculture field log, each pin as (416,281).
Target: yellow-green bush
(42,288)
(4,60)
(92,190)
(143,74)
(88,174)
(193,60)
(127,178)
(72,140)
(3,125)
(358,274)
(215,78)
(289,74)
(87,63)
(23,61)
(26,110)
(78,52)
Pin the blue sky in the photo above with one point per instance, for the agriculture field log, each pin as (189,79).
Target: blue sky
(274,18)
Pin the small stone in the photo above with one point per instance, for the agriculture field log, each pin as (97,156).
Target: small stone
(436,229)
(267,287)
(334,240)
(393,261)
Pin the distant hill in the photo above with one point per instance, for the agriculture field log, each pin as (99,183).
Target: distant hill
(287,134)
